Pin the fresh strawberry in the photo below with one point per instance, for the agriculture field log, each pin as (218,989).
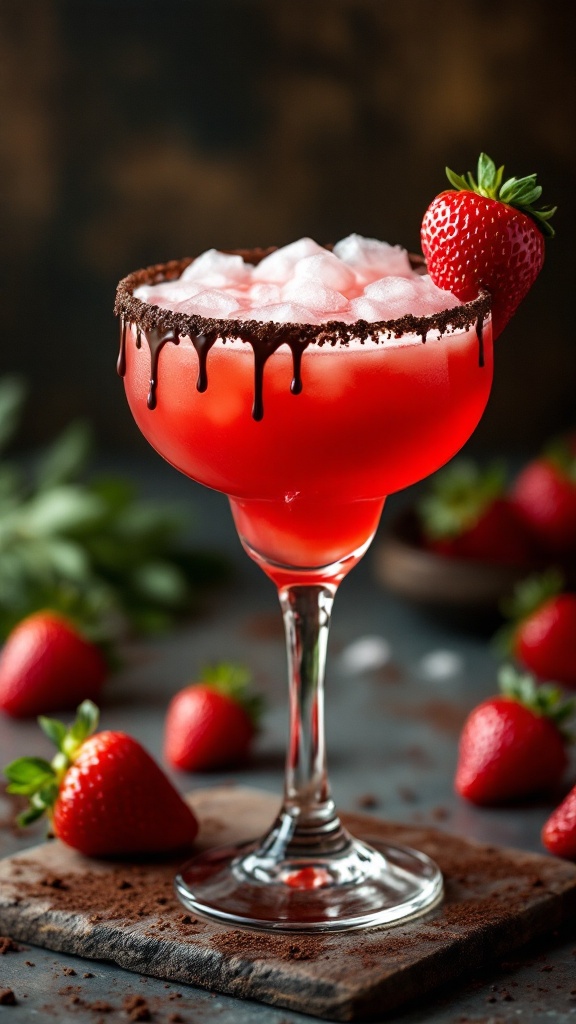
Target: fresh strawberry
(559,832)
(512,745)
(544,495)
(465,515)
(104,794)
(211,724)
(47,665)
(542,635)
(486,234)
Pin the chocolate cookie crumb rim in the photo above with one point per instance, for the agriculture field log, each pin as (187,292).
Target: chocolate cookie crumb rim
(269,334)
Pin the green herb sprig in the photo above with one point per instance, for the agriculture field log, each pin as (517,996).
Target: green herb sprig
(89,547)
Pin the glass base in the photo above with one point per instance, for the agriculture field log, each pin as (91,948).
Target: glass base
(362,887)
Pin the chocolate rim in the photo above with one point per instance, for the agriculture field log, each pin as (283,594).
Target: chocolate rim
(148,317)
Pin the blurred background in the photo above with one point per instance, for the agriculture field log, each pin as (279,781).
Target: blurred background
(135,131)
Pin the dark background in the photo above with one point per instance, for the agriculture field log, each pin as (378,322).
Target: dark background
(136,131)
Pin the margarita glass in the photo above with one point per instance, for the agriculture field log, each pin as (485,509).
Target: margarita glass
(307,428)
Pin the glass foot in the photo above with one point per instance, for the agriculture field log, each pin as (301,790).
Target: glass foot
(365,886)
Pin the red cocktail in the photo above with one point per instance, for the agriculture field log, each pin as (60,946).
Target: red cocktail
(306,425)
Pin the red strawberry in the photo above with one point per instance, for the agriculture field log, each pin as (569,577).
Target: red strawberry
(104,793)
(544,495)
(465,515)
(47,665)
(486,234)
(211,724)
(559,832)
(543,632)
(512,745)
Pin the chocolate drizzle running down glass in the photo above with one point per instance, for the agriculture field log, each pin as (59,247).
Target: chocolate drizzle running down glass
(353,411)
(161,326)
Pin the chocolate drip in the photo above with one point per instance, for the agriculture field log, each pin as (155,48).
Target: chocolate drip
(480,336)
(156,340)
(121,363)
(202,343)
(160,326)
(258,403)
(296,385)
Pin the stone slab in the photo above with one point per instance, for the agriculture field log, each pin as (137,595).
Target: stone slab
(496,901)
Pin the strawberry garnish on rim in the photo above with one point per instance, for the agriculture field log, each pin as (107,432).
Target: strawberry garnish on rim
(487,234)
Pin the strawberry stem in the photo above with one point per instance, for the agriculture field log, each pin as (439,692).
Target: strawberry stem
(521,193)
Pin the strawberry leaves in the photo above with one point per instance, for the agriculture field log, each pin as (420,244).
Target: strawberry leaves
(39,779)
(458,496)
(530,594)
(520,193)
(234,681)
(543,699)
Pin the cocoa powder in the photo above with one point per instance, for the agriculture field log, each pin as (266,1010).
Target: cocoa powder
(7,945)
(137,1008)
(263,946)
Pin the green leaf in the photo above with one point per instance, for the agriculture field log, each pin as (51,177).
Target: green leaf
(561,452)
(160,582)
(148,522)
(115,492)
(487,176)
(53,729)
(66,457)
(86,722)
(94,551)
(544,699)
(459,183)
(30,815)
(530,593)
(458,495)
(68,559)
(234,680)
(521,193)
(28,774)
(12,395)
(11,486)
(48,794)
(60,510)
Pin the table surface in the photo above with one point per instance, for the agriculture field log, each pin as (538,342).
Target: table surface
(392,739)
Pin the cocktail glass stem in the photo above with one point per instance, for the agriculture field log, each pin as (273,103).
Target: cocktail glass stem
(308,805)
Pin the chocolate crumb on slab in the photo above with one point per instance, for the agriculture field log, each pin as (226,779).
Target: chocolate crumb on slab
(7,997)
(52,882)
(137,1008)
(367,801)
(7,945)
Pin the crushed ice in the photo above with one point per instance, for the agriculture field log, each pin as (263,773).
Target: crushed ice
(361,279)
